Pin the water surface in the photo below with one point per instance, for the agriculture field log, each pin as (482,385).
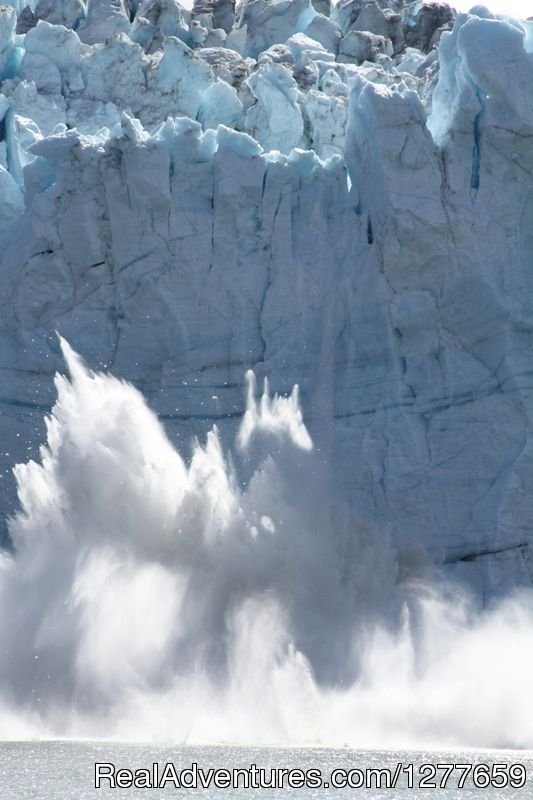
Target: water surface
(63,770)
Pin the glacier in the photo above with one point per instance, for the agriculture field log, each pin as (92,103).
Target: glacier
(338,195)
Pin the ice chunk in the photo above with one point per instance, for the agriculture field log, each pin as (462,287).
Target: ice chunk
(494,57)
(168,16)
(43,72)
(332,84)
(116,72)
(484,70)
(157,19)
(8,23)
(275,120)
(226,64)
(220,104)
(46,111)
(181,71)
(322,7)
(431,20)
(60,12)
(327,122)
(56,148)
(11,206)
(105,18)
(359,46)
(88,117)
(323,30)
(411,60)
(386,23)
(390,125)
(25,20)
(216,37)
(240,143)
(345,13)
(306,54)
(21,134)
(55,42)
(277,54)
(269,23)
(221,12)
(199,33)
(371,19)
(302,45)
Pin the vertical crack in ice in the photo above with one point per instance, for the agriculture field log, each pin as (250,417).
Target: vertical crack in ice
(476,150)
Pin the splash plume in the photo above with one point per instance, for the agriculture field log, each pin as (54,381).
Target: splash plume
(150,598)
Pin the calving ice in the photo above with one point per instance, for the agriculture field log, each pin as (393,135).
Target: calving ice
(183,601)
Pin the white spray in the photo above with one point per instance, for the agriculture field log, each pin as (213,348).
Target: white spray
(148,599)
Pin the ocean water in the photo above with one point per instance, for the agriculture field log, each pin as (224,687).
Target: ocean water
(62,770)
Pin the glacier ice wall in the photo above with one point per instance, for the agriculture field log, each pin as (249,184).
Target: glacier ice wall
(326,197)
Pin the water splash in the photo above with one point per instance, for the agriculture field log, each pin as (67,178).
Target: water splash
(148,598)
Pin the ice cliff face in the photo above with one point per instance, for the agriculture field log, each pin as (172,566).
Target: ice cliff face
(318,193)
